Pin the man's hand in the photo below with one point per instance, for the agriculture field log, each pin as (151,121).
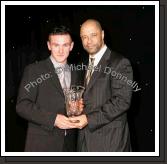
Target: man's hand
(81,105)
(82,121)
(63,122)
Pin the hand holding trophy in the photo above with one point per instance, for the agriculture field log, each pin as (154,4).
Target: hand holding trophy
(73,100)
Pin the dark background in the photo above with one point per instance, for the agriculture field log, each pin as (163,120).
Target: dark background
(129,30)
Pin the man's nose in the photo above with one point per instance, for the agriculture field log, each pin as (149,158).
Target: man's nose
(89,39)
(60,49)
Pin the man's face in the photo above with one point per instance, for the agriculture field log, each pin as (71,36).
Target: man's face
(60,47)
(92,37)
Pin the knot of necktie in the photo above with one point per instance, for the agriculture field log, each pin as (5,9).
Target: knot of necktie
(61,76)
(92,62)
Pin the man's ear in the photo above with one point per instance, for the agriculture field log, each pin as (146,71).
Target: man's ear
(48,44)
(72,45)
(103,34)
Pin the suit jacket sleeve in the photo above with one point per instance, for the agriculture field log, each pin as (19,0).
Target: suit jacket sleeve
(119,101)
(26,105)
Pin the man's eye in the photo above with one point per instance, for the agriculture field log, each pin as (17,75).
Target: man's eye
(83,37)
(66,45)
(94,34)
(56,45)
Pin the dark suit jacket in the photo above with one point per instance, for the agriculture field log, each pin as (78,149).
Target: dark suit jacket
(107,99)
(39,101)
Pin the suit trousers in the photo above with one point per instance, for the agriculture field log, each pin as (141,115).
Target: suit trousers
(82,146)
(69,143)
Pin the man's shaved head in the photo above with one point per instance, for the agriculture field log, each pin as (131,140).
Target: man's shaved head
(92,21)
(92,36)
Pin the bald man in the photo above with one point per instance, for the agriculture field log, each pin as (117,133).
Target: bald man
(103,126)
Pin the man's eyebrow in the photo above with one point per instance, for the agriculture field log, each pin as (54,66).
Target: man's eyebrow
(63,43)
(90,34)
(67,43)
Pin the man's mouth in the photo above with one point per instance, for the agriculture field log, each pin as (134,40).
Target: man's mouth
(90,47)
(60,55)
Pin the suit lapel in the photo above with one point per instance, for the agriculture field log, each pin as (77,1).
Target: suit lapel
(102,64)
(54,78)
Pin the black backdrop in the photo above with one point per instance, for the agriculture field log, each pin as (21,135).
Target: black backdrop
(129,30)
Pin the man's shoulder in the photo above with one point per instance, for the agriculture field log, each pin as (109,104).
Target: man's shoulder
(37,64)
(117,58)
(116,55)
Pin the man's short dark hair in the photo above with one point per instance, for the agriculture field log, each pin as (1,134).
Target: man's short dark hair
(60,30)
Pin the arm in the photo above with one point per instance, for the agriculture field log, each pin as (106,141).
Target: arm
(26,105)
(28,108)
(117,105)
(120,99)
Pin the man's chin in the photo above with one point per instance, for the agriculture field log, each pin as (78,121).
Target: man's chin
(61,61)
(90,51)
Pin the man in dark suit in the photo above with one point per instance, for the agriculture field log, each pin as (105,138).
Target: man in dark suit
(107,97)
(41,99)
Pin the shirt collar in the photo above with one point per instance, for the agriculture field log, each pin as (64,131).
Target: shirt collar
(56,64)
(98,55)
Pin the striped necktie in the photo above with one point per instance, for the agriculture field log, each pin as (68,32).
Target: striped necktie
(90,70)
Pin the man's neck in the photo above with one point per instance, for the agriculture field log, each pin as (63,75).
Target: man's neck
(56,63)
(93,55)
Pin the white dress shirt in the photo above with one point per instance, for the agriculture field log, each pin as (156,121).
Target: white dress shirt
(98,56)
